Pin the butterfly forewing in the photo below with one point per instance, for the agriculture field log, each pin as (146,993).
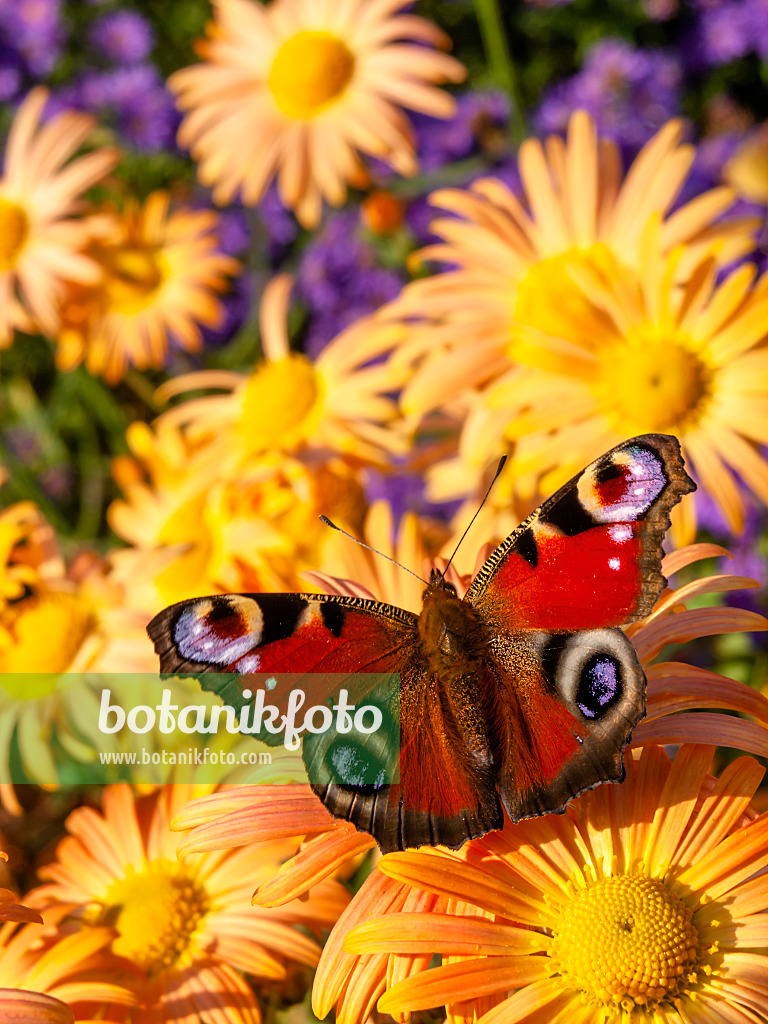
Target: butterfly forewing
(445,793)
(590,556)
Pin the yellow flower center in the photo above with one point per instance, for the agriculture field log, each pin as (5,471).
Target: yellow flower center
(44,635)
(133,277)
(310,71)
(626,940)
(281,404)
(14,228)
(157,912)
(651,382)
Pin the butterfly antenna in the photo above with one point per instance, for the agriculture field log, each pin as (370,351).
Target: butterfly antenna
(499,468)
(333,526)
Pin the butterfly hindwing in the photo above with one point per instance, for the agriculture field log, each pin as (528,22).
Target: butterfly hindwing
(446,790)
(590,556)
(567,703)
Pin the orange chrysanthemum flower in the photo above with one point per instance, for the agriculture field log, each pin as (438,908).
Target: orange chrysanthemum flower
(41,243)
(183,923)
(12,910)
(160,273)
(643,902)
(255,814)
(297,89)
(51,976)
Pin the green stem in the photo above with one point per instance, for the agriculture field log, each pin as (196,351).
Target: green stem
(142,388)
(500,62)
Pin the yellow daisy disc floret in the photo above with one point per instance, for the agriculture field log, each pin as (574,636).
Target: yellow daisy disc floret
(628,939)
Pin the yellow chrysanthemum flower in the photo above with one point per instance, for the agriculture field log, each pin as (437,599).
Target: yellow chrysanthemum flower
(635,906)
(21,559)
(65,619)
(41,242)
(194,529)
(507,257)
(297,89)
(160,275)
(638,354)
(339,404)
(57,621)
(183,923)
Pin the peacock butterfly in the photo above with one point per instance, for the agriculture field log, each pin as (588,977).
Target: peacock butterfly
(519,696)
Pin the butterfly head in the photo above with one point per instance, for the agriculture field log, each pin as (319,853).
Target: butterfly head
(437,584)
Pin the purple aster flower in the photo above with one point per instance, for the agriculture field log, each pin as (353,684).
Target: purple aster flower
(149,122)
(142,106)
(57,482)
(10,75)
(404,492)
(629,92)
(712,154)
(722,34)
(340,279)
(118,88)
(122,36)
(232,231)
(758,17)
(33,29)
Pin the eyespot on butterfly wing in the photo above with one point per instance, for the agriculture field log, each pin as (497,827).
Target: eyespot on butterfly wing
(522,694)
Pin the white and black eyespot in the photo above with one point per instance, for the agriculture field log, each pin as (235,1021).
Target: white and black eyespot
(595,671)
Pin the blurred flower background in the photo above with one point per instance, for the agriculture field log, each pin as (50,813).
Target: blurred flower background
(261,262)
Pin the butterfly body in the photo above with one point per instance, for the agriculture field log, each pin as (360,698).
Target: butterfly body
(513,698)
(452,634)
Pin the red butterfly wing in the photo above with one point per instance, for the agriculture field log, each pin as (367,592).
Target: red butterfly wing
(446,791)
(566,705)
(590,556)
(567,691)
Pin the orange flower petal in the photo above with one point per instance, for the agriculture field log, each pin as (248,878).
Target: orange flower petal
(674,686)
(446,876)
(675,805)
(733,861)
(690,625)
(442,933)
(317,860)
(452,981)
(720,811)
(377,895)
(536,1002)
(722,730)
(20,1007)
(265,812)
